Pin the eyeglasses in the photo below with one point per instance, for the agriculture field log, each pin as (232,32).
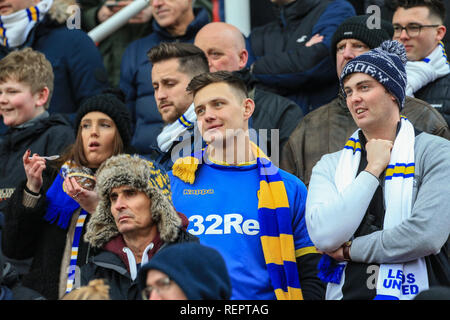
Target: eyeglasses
(412,29)
(161,286)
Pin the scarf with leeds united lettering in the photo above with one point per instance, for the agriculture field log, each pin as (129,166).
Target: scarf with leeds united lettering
(14,28)
(274,218)
(395,281)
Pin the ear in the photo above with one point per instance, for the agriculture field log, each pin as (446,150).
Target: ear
(249,108)
(441,31)
(42,96)
(243,58)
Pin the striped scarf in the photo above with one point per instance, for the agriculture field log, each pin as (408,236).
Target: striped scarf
(15,27)
(175,130)
(274,218)
(60,209)
(427,70)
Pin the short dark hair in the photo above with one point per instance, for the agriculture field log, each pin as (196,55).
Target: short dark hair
(192,60)
(436,7)
(205,79)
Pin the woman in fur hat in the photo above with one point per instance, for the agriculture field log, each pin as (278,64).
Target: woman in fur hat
(134,220)
(48,223)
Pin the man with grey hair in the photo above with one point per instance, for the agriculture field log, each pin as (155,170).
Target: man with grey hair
(134,219)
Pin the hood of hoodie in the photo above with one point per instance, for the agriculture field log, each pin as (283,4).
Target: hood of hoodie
(143,175)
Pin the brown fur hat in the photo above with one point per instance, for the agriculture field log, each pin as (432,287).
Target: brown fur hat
(143,175)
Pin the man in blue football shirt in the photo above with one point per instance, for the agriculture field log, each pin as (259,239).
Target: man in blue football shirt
(239,203)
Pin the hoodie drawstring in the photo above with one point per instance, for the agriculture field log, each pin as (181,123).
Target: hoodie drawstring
(132,260)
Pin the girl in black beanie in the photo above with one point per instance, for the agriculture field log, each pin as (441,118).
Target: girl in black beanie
(47,222)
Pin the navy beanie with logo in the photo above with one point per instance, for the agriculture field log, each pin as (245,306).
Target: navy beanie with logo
(386,64)
(199,271)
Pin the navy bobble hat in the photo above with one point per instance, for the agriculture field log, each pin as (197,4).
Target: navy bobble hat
(386,64)
(199,271)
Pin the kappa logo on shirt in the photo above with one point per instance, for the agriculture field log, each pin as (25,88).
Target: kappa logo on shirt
(198,192)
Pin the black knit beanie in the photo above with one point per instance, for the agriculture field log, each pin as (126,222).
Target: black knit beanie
(356,28)
(109,103)
(199,271)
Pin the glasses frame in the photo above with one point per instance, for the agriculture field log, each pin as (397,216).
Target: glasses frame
(415,24)
(164,286)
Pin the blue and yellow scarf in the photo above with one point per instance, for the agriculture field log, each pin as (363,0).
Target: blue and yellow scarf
(274,218)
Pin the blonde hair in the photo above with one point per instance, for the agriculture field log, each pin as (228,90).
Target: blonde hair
(30,67)
(95,290)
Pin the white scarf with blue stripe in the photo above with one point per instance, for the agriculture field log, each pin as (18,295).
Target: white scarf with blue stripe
(403,280)
(14,28)
(420,73)
(175,130)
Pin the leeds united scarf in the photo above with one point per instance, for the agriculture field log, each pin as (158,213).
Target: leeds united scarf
(14,28)
(395,281)
(274,218)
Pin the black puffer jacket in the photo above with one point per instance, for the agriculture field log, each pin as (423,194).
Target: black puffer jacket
(437,94)
(46,136)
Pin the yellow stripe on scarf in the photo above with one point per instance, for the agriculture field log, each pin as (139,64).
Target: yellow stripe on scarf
(33,12)
(352,144)
(272,188)
(292,294)
(274,244)
(400,169)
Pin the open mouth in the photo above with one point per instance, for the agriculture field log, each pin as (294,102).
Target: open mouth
(360,112)
(6,109)
(93,145)
(5,8)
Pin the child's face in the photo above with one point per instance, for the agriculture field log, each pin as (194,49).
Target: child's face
(17,103)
